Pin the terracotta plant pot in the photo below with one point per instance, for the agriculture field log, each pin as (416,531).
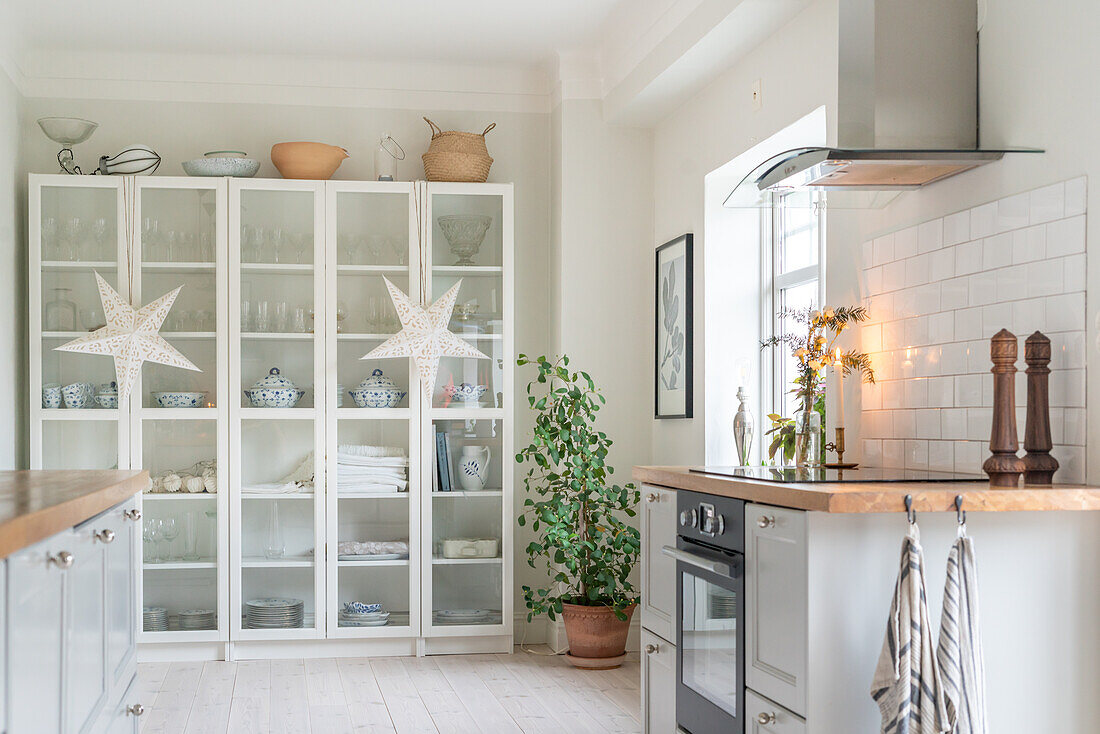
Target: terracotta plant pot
(314,161)
(597,638)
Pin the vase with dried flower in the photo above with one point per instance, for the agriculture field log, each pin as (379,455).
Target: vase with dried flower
(816,348)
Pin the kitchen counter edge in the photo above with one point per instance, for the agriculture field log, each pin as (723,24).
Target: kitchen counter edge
(37,504)
(873,497)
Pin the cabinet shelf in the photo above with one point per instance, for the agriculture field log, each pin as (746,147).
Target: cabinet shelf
(179,414)
(277,336)
(365,564)
(372,495)
(79,265)
(179,267)
(280,414)
(373,413)
(464,493)
(458,414)
(64,335)
(189,334)
(363,337)
(185,496)
(288,562)
(179,565)
(277,495)
(278,268)
(80,414)
(359,269)
(439,561)
(468,271)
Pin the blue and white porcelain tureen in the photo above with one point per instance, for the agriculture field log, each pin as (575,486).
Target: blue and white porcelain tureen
(377,391)
(274,391)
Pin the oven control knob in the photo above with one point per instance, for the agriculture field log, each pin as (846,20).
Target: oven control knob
(765,719)
(689,518)
(720,525)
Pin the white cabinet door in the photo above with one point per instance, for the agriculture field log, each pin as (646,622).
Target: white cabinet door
(118,533)
(776,615)
(35,603)
(123,717)
(765,717)
(85,661)
(658,570)
(658,685)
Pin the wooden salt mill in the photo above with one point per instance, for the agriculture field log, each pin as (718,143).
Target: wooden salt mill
(1004,467)
(1039,465)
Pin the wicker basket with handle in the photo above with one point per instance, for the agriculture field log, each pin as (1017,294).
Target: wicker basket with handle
(457,156)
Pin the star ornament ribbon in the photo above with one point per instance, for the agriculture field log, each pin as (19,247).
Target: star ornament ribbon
(130,336)
(424,335)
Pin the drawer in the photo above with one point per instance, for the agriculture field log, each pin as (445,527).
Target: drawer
(765,717)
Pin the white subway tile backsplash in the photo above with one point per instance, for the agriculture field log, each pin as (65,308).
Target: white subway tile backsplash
(968,257)
(938,291)
(956,228)
(1071,461)
(1066,236)
(883,251)
(905,243)
(1048,203)
(930,236)
(1076,196)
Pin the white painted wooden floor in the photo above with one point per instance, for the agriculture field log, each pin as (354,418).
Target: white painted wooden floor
(450,694)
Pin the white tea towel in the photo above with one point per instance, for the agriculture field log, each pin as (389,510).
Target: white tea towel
(906,684)
(960,651)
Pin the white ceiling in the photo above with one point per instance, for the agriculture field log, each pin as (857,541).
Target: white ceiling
(466,31)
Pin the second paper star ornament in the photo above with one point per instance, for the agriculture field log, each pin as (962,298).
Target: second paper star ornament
(130,336)
(424,335)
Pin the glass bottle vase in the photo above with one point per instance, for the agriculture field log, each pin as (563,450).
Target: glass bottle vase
(807,438)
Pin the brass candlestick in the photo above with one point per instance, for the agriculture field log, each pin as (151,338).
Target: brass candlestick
(837,445)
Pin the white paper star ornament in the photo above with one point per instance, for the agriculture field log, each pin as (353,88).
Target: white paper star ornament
(424,335)
(130,336)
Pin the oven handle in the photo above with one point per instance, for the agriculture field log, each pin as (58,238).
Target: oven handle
(692,559)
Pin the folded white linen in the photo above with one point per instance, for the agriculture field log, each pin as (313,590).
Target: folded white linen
(276,488)
(371,451)
(371,547)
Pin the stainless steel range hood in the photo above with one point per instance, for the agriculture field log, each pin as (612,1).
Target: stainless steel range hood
(906,114)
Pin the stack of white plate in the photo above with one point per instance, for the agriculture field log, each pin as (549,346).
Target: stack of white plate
(723,604)
(197,619)
(364,619)
(272,613)
(465,616)
(155,619)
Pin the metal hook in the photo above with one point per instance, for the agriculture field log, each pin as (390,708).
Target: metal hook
(960,513)
(909,514)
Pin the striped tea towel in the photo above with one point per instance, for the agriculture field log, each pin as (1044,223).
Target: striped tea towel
(906,685)
(960,651)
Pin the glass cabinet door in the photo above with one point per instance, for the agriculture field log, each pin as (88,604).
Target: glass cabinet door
(467,513)
(277,328)
(373,497)
(76,230)
(180,417)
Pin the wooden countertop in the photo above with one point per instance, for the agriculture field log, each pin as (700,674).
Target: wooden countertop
(37,504)
(865,497)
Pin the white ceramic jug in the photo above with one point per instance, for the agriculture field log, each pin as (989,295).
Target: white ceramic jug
(473,468)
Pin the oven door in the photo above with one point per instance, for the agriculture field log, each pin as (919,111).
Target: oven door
(710,639)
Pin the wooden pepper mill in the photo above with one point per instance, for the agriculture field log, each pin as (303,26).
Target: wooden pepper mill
(1004,467)
(1039,465)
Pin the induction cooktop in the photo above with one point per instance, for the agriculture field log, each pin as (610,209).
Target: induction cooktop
(791,474)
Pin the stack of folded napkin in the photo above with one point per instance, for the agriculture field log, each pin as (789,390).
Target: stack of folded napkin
(371,469)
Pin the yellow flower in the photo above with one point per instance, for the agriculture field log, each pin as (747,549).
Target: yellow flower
(815,364)
(801,352)
(829,313)
(815,316)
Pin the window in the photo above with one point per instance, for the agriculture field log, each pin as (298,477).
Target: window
(793,257)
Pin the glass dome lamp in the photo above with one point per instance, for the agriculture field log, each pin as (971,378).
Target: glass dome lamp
(67,131)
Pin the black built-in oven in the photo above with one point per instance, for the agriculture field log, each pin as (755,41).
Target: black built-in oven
(710,603)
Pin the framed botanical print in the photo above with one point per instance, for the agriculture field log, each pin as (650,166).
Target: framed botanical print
(673,330)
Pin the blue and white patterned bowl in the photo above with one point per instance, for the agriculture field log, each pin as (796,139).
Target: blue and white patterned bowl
(179,399)
(51,395)
(106,400)
(77,394)
(465,392)
(359,607)
(377,397)
(274,397)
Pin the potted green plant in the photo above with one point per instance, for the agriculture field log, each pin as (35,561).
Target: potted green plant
(581,537)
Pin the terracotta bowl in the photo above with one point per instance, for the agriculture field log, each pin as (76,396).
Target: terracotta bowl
(314,161)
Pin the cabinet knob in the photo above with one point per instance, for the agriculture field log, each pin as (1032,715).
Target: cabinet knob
(650,649)
(137,709)
(105,536)
(764,521)
(765,719)
(134,514)
(652,497)
(64,559)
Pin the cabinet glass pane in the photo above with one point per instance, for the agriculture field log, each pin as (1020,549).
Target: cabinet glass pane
(709,652)
(467,245)
(79,445)
(79,227)
(372,229)
(467,523)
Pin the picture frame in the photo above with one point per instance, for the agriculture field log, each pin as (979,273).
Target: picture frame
(673,329)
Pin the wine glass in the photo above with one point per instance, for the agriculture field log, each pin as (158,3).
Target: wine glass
(347,247)
(99,240)
(152,532)
(71,239)
(302,245)
(170,530)
(51,249)
(400,249)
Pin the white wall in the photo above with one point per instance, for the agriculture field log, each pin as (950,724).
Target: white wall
(797,69)
(13,338)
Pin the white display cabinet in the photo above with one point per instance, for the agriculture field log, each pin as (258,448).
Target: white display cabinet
(290,275)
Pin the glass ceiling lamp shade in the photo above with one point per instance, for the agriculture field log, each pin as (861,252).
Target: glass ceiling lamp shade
(134,160)
(67,131)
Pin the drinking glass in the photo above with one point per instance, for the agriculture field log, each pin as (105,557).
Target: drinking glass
(185,242)
(374,246)
(204,320)
(347,248)
(267,246)
(373,321)
(303,243)
(170,530)
(280,317)
(153,532)
(150,236)
(206,248)
(70,242)
(190,537)
(298,325)
(250,236)
(171,245)
(51,249)
(92,318)
(99,240)
(400,249)
(263,317)
(246,316)
(280,246)
(275,547)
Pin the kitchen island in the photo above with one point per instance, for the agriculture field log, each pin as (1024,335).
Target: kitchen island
(820,564)
(69,540)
